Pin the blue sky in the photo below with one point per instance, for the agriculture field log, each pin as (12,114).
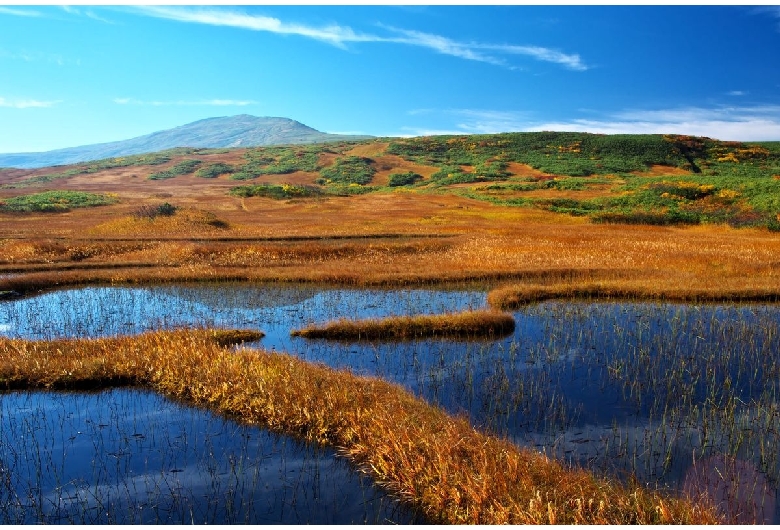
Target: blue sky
(86,74)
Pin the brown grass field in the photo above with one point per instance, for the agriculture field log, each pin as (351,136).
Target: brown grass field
(391,239)
(403,237)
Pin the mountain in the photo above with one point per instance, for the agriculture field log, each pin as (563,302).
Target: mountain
(230,131)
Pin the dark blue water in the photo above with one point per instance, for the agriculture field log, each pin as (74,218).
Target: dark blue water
(133,457)
(646,390)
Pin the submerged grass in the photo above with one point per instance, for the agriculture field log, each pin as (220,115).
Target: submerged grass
(431,460)
(468,324)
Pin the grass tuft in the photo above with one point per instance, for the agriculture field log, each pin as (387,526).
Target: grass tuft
(469,324)
(516,296)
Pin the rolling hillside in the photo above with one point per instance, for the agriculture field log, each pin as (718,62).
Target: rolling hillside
(233,131)
(625,179)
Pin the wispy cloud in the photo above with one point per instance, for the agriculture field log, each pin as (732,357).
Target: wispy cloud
(192,103)
(340,36)
(473,121)
(333,34)
(745,123)
(756,123)
(26,103)
(475,51)
(36,56)
(19,12)
(571,61)
(443,45)
(86,13)
(737,93)
(772,11)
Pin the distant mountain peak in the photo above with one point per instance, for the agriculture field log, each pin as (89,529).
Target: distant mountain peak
(242,130)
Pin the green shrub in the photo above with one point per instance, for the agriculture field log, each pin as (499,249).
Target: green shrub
(214,170)
(670,217)
(349,170)
(182,168)
(274,191)
(279,160)
(54,201)
(404,179)
(686,190)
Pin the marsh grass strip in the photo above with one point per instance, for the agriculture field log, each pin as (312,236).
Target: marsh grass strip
(430,460)
(468,324)
(516,296)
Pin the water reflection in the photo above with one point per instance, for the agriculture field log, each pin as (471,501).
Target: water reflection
(107,311)
(632,389)
(133,457)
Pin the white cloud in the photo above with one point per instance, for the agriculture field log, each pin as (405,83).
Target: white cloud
(87,13)
(474,121)
(410,132)
(570,61)
(26,103)
(443,45)
(737,93)
(743,123)
(19,12)
(474,50)
(334,34)
(193,103)
(340,36)
(758,123)
(35,56)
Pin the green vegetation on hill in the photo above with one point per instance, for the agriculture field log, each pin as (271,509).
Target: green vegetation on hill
(214,170)
(182,168)
(279,161)
(53,201)
(656,179)
(274,191)
(350,170)
(403,179)
(727,182)
(572,154)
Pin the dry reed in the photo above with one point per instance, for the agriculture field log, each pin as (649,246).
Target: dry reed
(515,296)
(430,460)
(467,324)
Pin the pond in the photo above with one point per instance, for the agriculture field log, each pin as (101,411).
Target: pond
(132,457)
(682,397)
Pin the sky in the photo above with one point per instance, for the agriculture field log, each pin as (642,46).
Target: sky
(83,74)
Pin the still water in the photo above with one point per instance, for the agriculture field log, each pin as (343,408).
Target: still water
(133,457)
(676,396)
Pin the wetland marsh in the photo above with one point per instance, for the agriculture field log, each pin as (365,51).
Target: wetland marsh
(681,398)
(127,456)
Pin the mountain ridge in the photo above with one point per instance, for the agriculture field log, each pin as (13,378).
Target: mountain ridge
(242,130)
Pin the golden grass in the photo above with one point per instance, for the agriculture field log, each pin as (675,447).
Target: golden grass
(430,460)
(467,324)
(187,220)
(515,296)
(706,263)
